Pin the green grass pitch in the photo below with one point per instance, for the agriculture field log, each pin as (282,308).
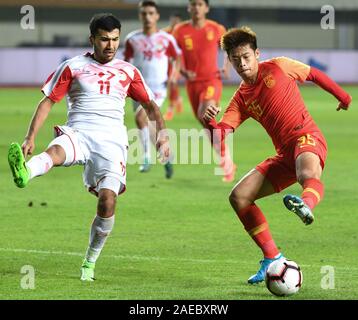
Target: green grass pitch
(179,238)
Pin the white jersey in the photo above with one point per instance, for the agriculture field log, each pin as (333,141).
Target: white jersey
(96,92)
(151,54)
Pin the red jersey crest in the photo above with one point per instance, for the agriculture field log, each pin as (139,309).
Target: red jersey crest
(269,81)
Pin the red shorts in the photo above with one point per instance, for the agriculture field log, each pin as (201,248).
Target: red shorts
(280,170)
(200,91)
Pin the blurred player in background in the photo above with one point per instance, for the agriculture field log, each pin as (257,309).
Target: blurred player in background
(152,50)
(270,95)
(94,136)
(175,100)
(199,40)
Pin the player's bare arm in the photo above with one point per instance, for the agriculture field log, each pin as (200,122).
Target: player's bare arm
(174,75)
(36,123)
(187,74)
(155,115)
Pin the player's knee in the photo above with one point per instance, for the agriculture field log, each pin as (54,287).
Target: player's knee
(106,203)
(57,154)
(305,174)
(238,199)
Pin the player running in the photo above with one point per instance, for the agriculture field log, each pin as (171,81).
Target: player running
(199,40)
(151,50)
(94,136)
(175,100)
(270,95)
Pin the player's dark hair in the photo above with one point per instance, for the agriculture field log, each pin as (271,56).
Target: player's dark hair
(237,37)
(206,1)
(105,21)
(148,3)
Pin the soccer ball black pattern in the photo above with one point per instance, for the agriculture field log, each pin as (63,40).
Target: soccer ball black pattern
(283,277)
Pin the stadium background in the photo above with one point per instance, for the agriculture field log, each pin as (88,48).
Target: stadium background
(170,241)
(284,28)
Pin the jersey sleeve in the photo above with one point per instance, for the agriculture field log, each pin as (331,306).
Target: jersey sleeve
(173,49)
(58,83)
(326,83)
(234,116)
(293,68)
(128,50)
(138,90)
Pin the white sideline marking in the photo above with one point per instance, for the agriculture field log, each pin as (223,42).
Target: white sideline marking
(148,258)
(64,253)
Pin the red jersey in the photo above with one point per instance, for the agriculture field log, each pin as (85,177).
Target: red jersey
(200,48)
(275,101)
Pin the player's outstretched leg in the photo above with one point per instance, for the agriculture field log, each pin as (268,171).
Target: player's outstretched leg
(18,166)
(260,275)
(297,206)
(38,165)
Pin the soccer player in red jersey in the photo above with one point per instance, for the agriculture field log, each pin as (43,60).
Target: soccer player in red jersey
(175,100)
(270,95)
(199,40)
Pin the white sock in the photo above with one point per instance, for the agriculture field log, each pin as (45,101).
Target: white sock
(100,230)
(145,138)
(39,165)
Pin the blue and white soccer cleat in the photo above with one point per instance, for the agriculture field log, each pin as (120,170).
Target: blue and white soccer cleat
(296,205)
(260,275)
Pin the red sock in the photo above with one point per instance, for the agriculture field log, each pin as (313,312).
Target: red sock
(313,191)
(257,227)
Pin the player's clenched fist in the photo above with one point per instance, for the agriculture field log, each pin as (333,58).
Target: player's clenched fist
(211,112)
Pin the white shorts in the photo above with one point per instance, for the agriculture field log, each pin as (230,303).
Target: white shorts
(103,157)
(160,95)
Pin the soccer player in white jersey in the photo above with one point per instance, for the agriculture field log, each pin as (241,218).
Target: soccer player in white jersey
(151,50)
(94,136)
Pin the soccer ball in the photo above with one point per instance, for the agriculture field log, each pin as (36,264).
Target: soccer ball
(283,277)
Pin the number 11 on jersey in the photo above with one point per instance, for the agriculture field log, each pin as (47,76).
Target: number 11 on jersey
(104,85)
